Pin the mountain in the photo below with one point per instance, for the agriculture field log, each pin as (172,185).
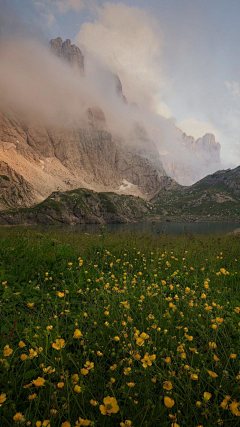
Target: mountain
(60,159)
(215,197)
(51,157)
(41,157)
(196,159)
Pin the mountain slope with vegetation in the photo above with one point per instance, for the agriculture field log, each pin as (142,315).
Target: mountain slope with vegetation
(81,206)
(215,197)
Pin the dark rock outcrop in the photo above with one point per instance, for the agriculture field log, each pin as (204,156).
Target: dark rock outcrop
(15,191)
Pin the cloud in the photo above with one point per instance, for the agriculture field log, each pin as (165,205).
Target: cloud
(233,87)
(49,9)
(163,110)
(65,5)
(196,128)
(128,42)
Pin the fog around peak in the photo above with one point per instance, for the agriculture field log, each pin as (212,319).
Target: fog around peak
(124,41)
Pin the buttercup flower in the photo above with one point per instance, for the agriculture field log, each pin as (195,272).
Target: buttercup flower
(207,396)
(168,402)
(2,398)
(32,396)
(21,344)
(77,389)
(167,385)
(77,334)
(23,357)
(39,382)
(18,416)
(59,344)
(60,385)
(213,374)
(7,351)
(74,378)
(110,406)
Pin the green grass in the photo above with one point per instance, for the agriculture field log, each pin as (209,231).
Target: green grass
(147,308)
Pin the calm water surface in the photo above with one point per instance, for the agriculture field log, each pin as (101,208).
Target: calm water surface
(161,227)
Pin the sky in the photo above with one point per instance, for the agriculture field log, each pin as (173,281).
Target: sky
(181,56)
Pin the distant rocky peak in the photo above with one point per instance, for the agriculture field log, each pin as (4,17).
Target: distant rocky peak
(70,52)
(209,142)
(119,88)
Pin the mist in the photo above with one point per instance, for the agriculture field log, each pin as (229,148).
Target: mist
(36,86)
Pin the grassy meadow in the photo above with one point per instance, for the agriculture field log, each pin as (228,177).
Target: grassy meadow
(119,330)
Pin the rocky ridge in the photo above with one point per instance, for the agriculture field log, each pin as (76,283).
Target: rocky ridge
(214,198)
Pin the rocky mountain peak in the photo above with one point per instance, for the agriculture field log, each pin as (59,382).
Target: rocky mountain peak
(209,142)
(68,51)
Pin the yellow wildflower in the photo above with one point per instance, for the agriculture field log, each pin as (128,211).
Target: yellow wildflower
(32,396)
(60,294)
(110,406)
(213,374)
(7,351)
(212,345)
(167,385)
(2,398)
(18,416)
(39,382)
(77,334)
(60,385)
(23,357)
(59,344)
(21,344)
(207,396)
(168,402)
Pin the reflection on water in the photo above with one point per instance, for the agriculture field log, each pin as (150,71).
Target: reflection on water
(157,228)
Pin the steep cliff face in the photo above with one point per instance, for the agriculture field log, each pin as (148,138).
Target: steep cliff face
(58,158)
